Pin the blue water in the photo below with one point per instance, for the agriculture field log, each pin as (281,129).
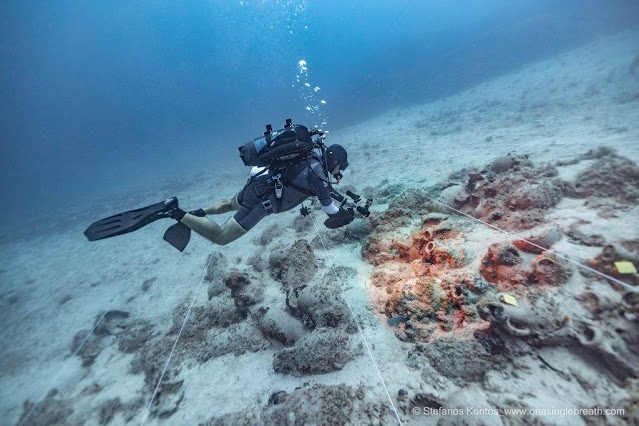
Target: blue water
(98,98)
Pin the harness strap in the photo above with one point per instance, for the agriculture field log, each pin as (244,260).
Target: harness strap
(288,181)
(300,189)
(280,181)
(262,192)
(267,205)
(260,173)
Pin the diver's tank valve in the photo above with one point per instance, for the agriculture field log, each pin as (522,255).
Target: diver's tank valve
(267,134)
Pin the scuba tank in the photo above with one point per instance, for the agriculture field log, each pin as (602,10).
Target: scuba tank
(279,149)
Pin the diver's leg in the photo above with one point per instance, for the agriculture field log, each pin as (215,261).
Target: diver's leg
(222,206)
(229,231)
(244,219)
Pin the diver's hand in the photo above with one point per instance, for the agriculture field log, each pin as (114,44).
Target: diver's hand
(342,218)
(198,213)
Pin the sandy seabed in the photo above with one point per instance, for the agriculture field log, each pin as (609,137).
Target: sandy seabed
(398,317)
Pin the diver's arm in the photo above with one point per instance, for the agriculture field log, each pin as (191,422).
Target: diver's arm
(319,182)
(330,209)
(337,216)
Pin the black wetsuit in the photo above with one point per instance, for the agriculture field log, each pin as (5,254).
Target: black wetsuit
(257,199)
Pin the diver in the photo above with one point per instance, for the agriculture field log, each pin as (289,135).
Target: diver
(272,188)
(259,198)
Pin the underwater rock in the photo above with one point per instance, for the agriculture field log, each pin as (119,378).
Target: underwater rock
(427,306)
(303,224)
(241,418)
(542,322)
(423,400)
(277,324)
(577,236)
(215,289)
(453,196)
(610,176)
(108,409)
(518,196)
(460,358)
(534,196)
(605,262)
(242,292)
(383,193)
(412,200)
(502,264)
(147,283)
(502,164)
(548,270)
(376,251)
(195,340)
(112,323)
(320,352)
(222,312)
(150,361)
(129,333)
(476,284)
(597,153)
(357,230)
(66,298)
(539,243)
(90,346)
(390,220)
(217,266)
(336,276)
(433,218)
(257,261)
(168,399)
(293,266)
(315,404)
(418,304)
(50,411)
(318,305)
(272,232)
(432,246)
(329,238)
(538,318)
(613,340)
(277,398)
(546,170)
(237,339)
(501,254)
(137,333)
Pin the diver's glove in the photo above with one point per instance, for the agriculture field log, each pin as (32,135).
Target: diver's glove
(342,218)
(198,213)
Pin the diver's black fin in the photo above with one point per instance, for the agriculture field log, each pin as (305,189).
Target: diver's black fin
(123,223)
(178,235)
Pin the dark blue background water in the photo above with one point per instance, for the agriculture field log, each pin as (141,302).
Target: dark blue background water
(101,96)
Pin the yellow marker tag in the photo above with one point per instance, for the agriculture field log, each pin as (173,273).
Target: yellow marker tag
(507,298)
(626,267)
